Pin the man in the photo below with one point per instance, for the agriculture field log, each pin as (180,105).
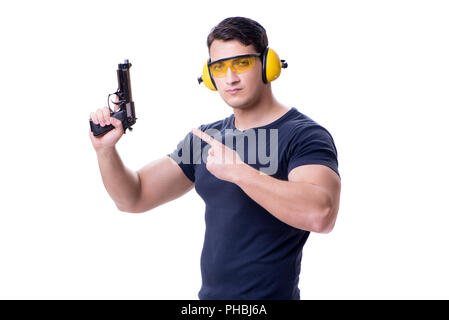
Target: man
(257,218)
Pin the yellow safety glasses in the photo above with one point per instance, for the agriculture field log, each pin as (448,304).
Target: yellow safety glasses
(238,64)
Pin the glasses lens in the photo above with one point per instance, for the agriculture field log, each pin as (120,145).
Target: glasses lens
(218,69)
(240,65)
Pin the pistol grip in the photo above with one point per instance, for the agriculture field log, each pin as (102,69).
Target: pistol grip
(99,130)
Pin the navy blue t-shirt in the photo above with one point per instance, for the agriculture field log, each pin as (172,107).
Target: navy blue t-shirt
(248,253)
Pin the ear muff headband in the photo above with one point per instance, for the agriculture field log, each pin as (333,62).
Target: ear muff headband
(271,69)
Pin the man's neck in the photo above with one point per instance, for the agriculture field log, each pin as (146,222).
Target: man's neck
(261,114)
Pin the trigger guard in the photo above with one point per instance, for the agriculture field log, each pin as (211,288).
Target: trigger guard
(116,103)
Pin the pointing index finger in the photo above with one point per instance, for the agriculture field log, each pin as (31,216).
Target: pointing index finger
(204,136)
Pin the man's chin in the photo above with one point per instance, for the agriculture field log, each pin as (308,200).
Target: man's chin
(237,104)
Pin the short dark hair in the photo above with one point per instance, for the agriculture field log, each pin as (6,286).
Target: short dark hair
(245,30)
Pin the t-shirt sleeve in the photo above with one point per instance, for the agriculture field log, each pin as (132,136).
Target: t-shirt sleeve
(312,145)
(183,156)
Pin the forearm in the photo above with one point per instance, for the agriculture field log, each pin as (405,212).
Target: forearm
(298,204)
(122,184)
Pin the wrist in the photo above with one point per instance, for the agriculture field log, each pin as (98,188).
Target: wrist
(105,151)
(243,173)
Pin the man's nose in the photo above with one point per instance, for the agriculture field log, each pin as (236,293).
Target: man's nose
(231,77)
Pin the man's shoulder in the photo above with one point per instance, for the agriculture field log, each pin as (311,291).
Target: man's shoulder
(301,126)
(297,121)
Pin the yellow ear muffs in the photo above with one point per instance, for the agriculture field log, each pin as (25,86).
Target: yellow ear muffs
(207,78)
(271,65)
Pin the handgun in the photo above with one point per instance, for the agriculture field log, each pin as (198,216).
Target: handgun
(126,112)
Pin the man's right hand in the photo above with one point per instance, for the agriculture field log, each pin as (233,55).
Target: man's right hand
(109,139)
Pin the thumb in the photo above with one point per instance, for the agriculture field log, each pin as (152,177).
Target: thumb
(116,122)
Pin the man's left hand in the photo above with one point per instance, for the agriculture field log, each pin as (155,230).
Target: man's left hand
(222,161)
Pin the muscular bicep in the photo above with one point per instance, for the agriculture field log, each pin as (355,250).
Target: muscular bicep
(321,176)
(161,181)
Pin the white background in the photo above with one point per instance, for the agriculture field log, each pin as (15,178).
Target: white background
(374,73)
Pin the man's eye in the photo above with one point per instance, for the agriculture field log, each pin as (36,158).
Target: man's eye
(217,67)
(243,62)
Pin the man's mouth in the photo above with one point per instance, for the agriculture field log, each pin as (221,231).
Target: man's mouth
(233,91)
